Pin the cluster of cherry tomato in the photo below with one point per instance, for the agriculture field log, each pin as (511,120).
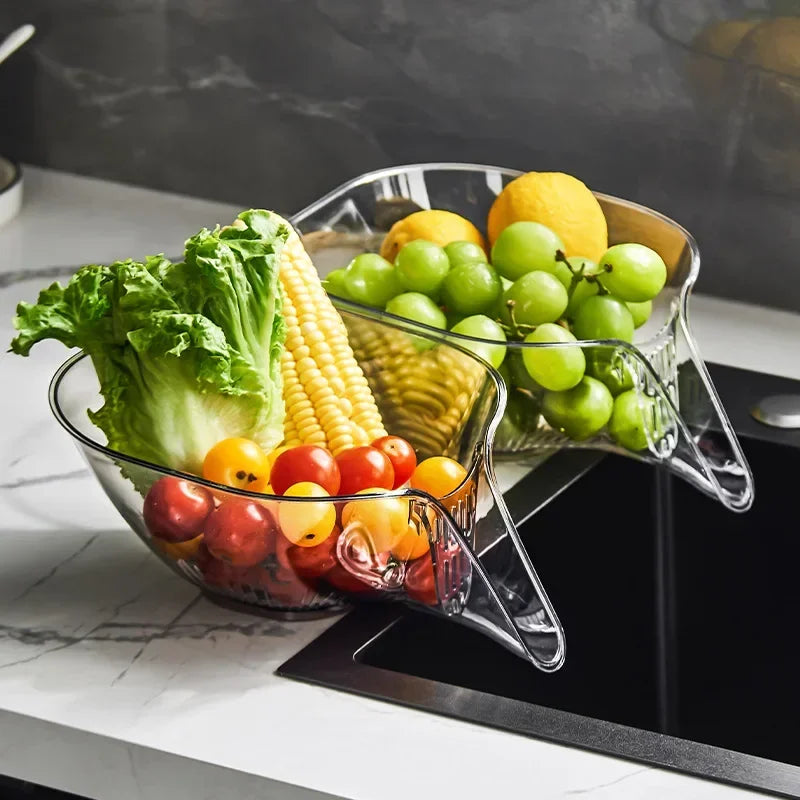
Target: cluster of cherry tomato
(287,549)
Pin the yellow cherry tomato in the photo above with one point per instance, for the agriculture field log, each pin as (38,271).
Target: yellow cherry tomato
(412,544)
(179,551)
(438,476)
(261,486)
(306,524)
(384,519)
(236,462)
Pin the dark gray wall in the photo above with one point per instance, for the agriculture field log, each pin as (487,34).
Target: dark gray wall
(273,102)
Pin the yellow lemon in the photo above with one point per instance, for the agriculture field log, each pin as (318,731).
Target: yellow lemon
(562,203)
(771,157)
(712,46)
(435,225)
(773,45)
(722,38)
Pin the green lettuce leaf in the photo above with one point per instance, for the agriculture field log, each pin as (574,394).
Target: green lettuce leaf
(186,353)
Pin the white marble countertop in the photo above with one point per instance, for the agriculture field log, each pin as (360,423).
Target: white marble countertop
(118,681)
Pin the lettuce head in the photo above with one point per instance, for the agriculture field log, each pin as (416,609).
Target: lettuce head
(186,353)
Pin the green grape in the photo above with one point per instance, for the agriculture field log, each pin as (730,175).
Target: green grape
(640,312)
(603,317)
(518,374)
(633,416)
(537,296)
(523,247)
(333,283)
(481,327)
(500,304)
(582,291)
(422,267)
(471,288)
(464,253)
(562,272)
(522,409)
(371,280)
(579,264)
(611,369)
(633,272)
(579,412)
(554,368)
(453,318)
(418,308)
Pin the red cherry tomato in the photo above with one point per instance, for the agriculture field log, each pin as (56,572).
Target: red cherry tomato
(364,468)
(306,463)
(177,509)
(281,585)
(215,572)
(201,557)
(282,547)
(420,582)
(241,532)
(344,581)
(401,454)
(313,562)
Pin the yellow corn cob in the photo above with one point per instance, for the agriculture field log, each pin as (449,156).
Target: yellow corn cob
(327,398)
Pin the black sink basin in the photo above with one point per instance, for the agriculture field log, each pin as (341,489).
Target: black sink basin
(680,616)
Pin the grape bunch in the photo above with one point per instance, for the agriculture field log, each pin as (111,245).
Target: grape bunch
(530,291)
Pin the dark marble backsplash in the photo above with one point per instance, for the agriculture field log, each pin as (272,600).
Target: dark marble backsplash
(275,102)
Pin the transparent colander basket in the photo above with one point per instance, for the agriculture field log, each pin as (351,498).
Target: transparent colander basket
(465,560)
(687,431)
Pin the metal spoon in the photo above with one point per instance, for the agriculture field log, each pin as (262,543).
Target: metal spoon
(15,40)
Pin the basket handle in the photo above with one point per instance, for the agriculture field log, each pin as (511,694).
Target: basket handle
(508,596)
(480,577)
(699,443)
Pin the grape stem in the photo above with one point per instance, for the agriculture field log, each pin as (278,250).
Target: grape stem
(601,290)
(516,329)
(578,276)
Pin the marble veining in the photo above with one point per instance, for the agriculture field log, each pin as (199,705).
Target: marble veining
(595,788)
(75,574)
(40,581)
(39,479)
